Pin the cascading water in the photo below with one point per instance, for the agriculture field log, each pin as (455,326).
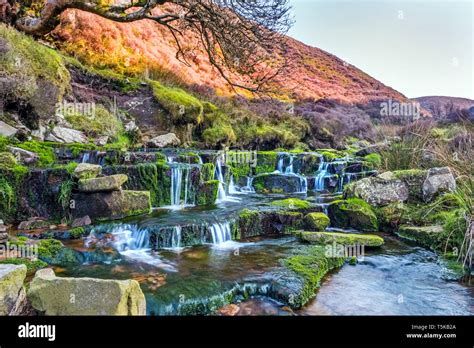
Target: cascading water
(220,233)
(221,196)
(130,237)
(178,171)
(176,237)
(289,169)
(322,174)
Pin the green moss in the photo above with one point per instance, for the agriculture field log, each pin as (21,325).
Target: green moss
(292,203)
(353,212)
(77,232)
(207,172)
(183,107)
(330,154)
(317,221)
(49,248)
(121,144)
(4,142)
(311,264)
(43,150)
(7,198)
(207,192)
(64,195)
(161,158)
(347,239)
(426,235)
(249,223)
(189,157)
(7,161)
(28,63)
(374,160)
(266,162)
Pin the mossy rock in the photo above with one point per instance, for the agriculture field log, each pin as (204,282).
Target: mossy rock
(207,172)
(414,179)
(392,215)
(317,221)
(354,213)
(87,171)
(7,161)
(249,223)
(307,268)
(207,192)
(266,162)
(31,265)
(373,160)
(324,238)
(102,184)
(292,203)
(427,236)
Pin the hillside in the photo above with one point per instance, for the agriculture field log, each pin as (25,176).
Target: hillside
(148,48)
(441,106)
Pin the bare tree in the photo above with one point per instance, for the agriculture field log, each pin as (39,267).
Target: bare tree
(239,36)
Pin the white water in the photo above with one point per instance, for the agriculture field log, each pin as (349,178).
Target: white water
(322,173)
(177,173)
(289,169)
(220,233)
(221,196)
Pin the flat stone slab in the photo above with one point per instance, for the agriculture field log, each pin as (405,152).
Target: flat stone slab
(103,184)
(87,171)
(325,238)
(85,296)
(11,284)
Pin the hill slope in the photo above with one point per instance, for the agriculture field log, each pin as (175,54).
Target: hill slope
(145,47)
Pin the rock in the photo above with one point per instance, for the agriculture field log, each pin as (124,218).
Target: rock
(426,235)
(165,140)
(11,285)
(374,148)
(101,141)
(66,135)
(80,222)
(53,295)
(33,223)
(353,213)
(26,157)
(438,181)
(3,237)
(87,171)
(316,221)
(347,239)
(7,130)
(229,310)
(103,184)
(39,133)
(278,183)
(111,205)
(379,190)
(207,192)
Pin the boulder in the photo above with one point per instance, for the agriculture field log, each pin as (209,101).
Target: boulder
(353,213)
(25,156)
(3,237)
(7,130)
(165,140)
(33,223)
(425,235)
(279,183)
(11,286)
(103,184)
(66,135)
(80,222)
(324,238)
(111,205)
(85,296)
(316,221)
(101,141)
(87,171)
(438,181)
(379,190)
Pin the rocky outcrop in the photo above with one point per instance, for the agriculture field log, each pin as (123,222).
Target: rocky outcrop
(11,287)
(165,140)
(87,171)
(85,296)
(111,205)
(379,190)
(26,157)
(66,135)
(7,130)
(353,213)
(33,223)
(3,233)
(102,184)
(278,183)
(438,181)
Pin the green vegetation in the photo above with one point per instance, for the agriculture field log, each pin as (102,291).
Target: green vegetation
(374,160)
(355,213)
(266,162)
(207,192)
(249,224)
(42,149)
(64,196)
(311,264)
(101,123)
(292,203)
(317,221)
(31,266)
(183,107)
(49,248)
(347,239)
(28,63)
(207,172)
(77,232)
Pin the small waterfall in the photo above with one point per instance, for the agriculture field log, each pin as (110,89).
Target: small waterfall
(220,177)
(86,157)
(289,169)
(322,173)
(280,164)
(176,237)
(130,237)
(220,232)
(177,173)
(248,188)
(232,188)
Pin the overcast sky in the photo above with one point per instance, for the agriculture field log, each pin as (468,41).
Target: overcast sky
(420,48)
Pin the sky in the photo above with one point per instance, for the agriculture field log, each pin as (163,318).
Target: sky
(418,47)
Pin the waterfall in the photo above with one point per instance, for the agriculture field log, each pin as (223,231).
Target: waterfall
(220,177)
(220,232)
(232,188)
(176,237)
(130,237)
(280,164)
(248,188)
(322,173)
(177,173)
(289,169)
(85,157)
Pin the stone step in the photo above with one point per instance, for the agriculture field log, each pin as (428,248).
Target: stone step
(102,184)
